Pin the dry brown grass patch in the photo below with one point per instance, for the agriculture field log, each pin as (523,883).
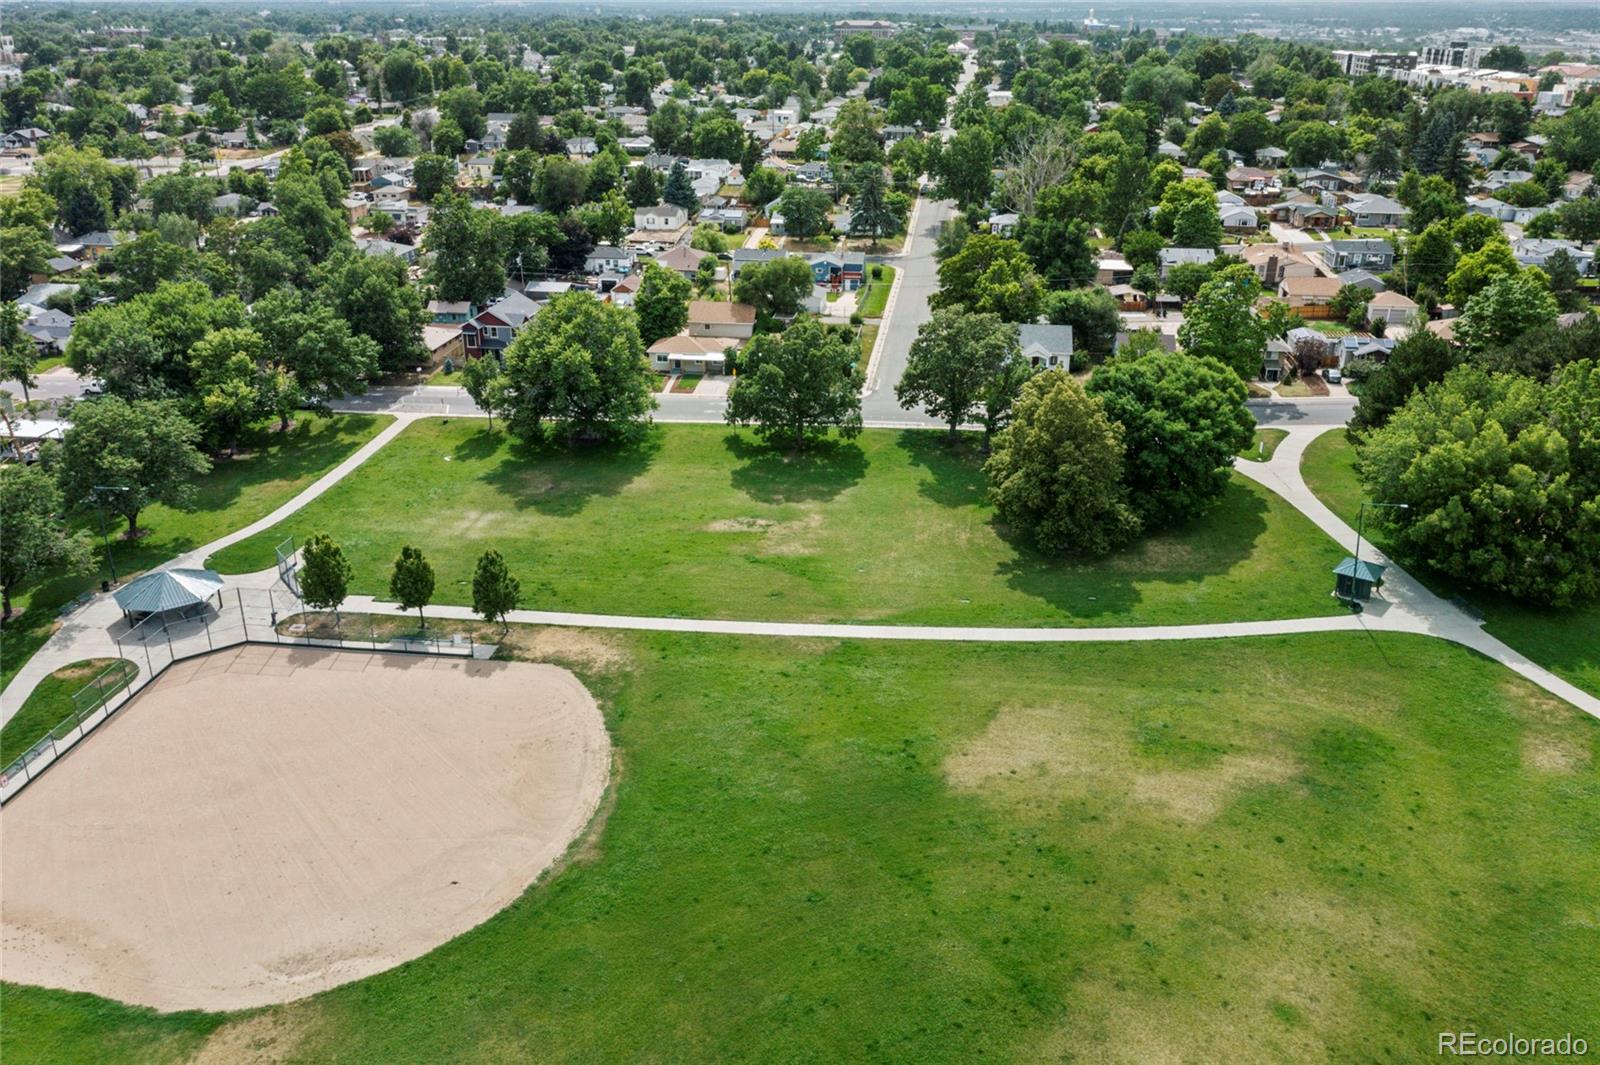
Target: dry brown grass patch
(582,648)
(260,1039)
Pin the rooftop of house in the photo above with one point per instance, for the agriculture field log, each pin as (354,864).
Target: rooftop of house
(1310,286)
(717,312)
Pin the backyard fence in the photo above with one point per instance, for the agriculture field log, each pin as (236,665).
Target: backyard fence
(237,616)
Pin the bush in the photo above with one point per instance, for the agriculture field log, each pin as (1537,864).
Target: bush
(856,319)
(877,271)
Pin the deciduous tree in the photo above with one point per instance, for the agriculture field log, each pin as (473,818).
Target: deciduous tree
(495,592)
(797,384)
(1183,420)
(1056,472)
(411,581)
(146,448)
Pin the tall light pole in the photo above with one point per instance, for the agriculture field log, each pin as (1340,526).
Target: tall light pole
(99,491)
(1361,521)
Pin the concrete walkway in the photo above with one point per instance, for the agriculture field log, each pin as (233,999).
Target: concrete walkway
(1406,605)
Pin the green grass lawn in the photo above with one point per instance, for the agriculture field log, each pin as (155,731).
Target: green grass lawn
(869,338)
(687,382)
(270,471)
(876,293)
(702,521)
(442,376)
(1265,443)
(842,851)
(1297,388)
(51,702)
(1562,640)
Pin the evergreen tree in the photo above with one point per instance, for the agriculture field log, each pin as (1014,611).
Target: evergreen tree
(644,187)
(679,189)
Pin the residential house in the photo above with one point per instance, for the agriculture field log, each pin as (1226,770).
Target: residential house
(692,354)
(1535,252)
(1362,346)
(893,134)
(1046,346)
(1391,308)
(718,318)
(229,203)
(840,272)
(813,173)
(1238,218)
(407,253)
(1274,262)
(1362,279)
(1254,186)
(98,243)
(1003,224)
(1304,214)
(660,217)
(443,341)
(1368,254)
(1167,258)
(1113,270)
(1129,298)
(607,258)
(743,257)
(491,330)
(449,312)
(1372,210)
(731,218)
(49,329)
(1310,296)
(684,259)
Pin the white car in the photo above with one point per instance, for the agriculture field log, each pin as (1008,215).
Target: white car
(93,386)
(1332,376)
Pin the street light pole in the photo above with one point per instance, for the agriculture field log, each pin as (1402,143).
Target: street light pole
(1361,521)
(105,538)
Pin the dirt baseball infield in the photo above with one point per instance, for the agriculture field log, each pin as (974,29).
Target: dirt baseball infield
(264,823)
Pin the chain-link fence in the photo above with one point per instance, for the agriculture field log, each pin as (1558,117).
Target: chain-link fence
(238,616)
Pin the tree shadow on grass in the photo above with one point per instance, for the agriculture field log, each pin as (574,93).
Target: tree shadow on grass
(771,475)
(955,469)
(560,479)
(1086,587)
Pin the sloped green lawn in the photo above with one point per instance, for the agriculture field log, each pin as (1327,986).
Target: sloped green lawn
(702,521)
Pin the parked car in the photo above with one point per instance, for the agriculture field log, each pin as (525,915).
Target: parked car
(93,386)
(1332,376)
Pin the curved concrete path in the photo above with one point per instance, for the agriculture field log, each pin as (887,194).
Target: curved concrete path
(1407,606)
(86,632)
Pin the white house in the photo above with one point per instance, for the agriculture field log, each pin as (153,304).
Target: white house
(1046,346)
(661,216)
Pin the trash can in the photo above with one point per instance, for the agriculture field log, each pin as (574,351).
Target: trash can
(105,586)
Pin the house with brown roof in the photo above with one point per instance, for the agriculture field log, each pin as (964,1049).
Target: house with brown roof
(684,353)
(684,259)
(1311,296)
(714,318)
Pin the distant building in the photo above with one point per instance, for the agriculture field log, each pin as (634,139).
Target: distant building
(854,27)
(1358,64)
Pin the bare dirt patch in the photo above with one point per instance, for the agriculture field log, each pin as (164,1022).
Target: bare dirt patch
(584,648)
(738,525)
(1029,751)
(267,822)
